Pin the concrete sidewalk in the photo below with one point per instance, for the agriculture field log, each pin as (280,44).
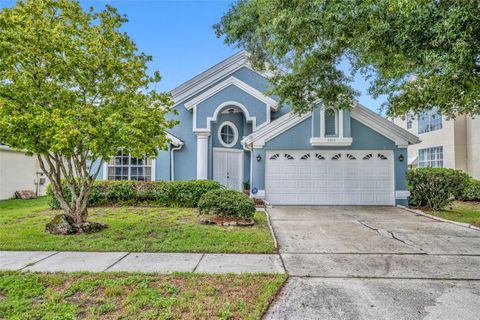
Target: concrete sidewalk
(53,261)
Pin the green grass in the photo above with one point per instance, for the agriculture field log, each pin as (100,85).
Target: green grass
(467,212)
(136,229)
(135,296)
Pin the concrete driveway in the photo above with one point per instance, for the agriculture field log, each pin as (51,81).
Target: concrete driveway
(375,263)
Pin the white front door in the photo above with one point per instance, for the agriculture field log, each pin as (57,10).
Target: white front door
(340,177)
(228,167)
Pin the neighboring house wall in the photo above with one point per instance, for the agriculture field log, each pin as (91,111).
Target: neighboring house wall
(18,172)
(473,147)
(458,137)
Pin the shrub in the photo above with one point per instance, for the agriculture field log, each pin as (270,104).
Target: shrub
(227,203)
(472,191)
(167,193)
(435,188)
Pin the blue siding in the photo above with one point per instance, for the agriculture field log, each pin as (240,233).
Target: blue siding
(364,138)
(185,159)
(94,168)
(255,107)
(162,165)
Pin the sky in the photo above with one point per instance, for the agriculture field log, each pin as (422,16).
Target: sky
(178,34)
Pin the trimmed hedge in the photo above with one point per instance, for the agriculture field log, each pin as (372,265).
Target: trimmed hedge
(435,188)
(181,193)
(227,203)
(472,191)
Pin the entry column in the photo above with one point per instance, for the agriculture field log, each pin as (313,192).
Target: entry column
(202,155)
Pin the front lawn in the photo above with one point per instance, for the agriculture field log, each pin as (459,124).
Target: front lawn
(135,296)
(467,212)
(136,229)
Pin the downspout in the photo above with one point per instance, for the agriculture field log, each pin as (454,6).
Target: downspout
(249,147)
(172,161)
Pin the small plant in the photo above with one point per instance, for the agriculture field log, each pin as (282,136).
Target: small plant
(246,187)
(227,203)
(435,188)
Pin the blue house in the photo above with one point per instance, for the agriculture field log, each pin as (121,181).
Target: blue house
(233,132)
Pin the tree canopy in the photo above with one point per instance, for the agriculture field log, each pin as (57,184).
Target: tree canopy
(73,90)
(419,53)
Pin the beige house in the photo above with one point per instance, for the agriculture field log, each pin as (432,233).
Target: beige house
(19,172)
(444,143)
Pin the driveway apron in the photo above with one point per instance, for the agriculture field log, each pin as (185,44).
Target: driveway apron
(352,262)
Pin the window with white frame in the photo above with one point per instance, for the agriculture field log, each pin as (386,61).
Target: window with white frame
(331,122)
(430,120)
(430,157)
(125,167)
(409,120)
(228,134)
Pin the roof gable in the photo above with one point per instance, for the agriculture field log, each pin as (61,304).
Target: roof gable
(210,76)
(231,81)
(400,136)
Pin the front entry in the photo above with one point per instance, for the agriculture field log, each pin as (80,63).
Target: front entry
(228,167)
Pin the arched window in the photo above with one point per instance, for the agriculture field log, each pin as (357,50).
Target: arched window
(331,122)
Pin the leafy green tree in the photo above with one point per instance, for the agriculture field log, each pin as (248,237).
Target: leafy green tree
(73,90)
(419,53)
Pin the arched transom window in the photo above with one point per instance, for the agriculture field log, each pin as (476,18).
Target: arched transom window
(331,122)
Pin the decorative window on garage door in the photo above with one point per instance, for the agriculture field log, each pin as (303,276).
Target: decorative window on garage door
(275,156)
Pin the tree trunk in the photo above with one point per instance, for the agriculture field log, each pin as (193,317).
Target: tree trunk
(72,183)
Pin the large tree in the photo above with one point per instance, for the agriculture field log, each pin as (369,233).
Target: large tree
(73,90)
(419,53)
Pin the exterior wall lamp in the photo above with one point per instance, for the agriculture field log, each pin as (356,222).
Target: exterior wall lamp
(259,158)
(401,158)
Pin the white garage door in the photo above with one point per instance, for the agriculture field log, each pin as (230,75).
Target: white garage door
(329,177)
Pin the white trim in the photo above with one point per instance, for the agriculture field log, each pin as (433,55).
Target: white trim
(268,132)
(228,150)
(172,162)
(174,140)
(153,169)
(402,194)
(331,141)
(400,136)
(218,110)
(212,75)
(235,134)
(224,84)
(202,155)
(105,170)
(338,133)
